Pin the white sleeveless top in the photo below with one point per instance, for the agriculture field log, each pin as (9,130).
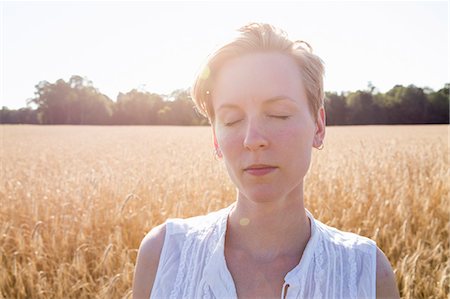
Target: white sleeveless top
(192,264)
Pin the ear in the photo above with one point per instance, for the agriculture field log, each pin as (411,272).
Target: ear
(216,144)
(319,135)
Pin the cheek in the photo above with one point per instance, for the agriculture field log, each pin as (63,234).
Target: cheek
(295,144)
(295,135)
(228,141)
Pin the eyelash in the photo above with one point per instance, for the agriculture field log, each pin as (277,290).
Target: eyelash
(231,123)
(280,116)
(283,117)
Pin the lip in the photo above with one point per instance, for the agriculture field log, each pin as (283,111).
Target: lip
(260,169)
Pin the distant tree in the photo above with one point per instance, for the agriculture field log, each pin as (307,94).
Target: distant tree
(87,105)
(413,105)
(20,116)
(5,116)
(361,108)
(26,116)
(137,108)
(77,101)
(438,106)
(182,110)
(72,102)
(335,109)
(405,105)
(166,115)
(51,101)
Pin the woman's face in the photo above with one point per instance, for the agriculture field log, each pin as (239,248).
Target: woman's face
(263,127)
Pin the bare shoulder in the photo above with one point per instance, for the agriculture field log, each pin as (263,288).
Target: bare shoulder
(147,262)
(386,285)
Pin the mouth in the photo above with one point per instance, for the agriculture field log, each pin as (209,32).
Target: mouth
(260,169)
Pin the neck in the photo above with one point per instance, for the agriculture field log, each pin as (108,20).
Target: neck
(268,230)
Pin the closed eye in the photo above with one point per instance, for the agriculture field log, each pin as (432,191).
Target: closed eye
(229,124)
(280,116)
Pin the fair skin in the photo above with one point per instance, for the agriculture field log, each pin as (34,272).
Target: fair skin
(262,118)
(265,133)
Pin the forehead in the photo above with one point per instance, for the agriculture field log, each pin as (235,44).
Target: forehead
(256,77)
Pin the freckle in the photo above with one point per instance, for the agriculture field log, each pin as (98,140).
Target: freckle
(244,221)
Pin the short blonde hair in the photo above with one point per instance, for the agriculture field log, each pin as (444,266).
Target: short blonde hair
(260,37)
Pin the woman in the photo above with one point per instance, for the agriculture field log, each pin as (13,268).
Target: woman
(263,95)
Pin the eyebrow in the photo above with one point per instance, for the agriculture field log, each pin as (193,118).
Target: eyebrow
(265,102)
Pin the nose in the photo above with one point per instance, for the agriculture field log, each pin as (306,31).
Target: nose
(255,137)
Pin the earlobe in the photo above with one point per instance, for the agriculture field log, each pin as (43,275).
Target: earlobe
(217,151)
(318,142)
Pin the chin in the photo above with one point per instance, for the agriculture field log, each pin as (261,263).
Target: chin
(262,195)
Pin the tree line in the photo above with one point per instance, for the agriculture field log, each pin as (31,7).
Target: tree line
(78,102)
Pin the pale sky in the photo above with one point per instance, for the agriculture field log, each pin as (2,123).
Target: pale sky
(159,46)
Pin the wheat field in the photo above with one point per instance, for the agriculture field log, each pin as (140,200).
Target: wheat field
(75,202)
